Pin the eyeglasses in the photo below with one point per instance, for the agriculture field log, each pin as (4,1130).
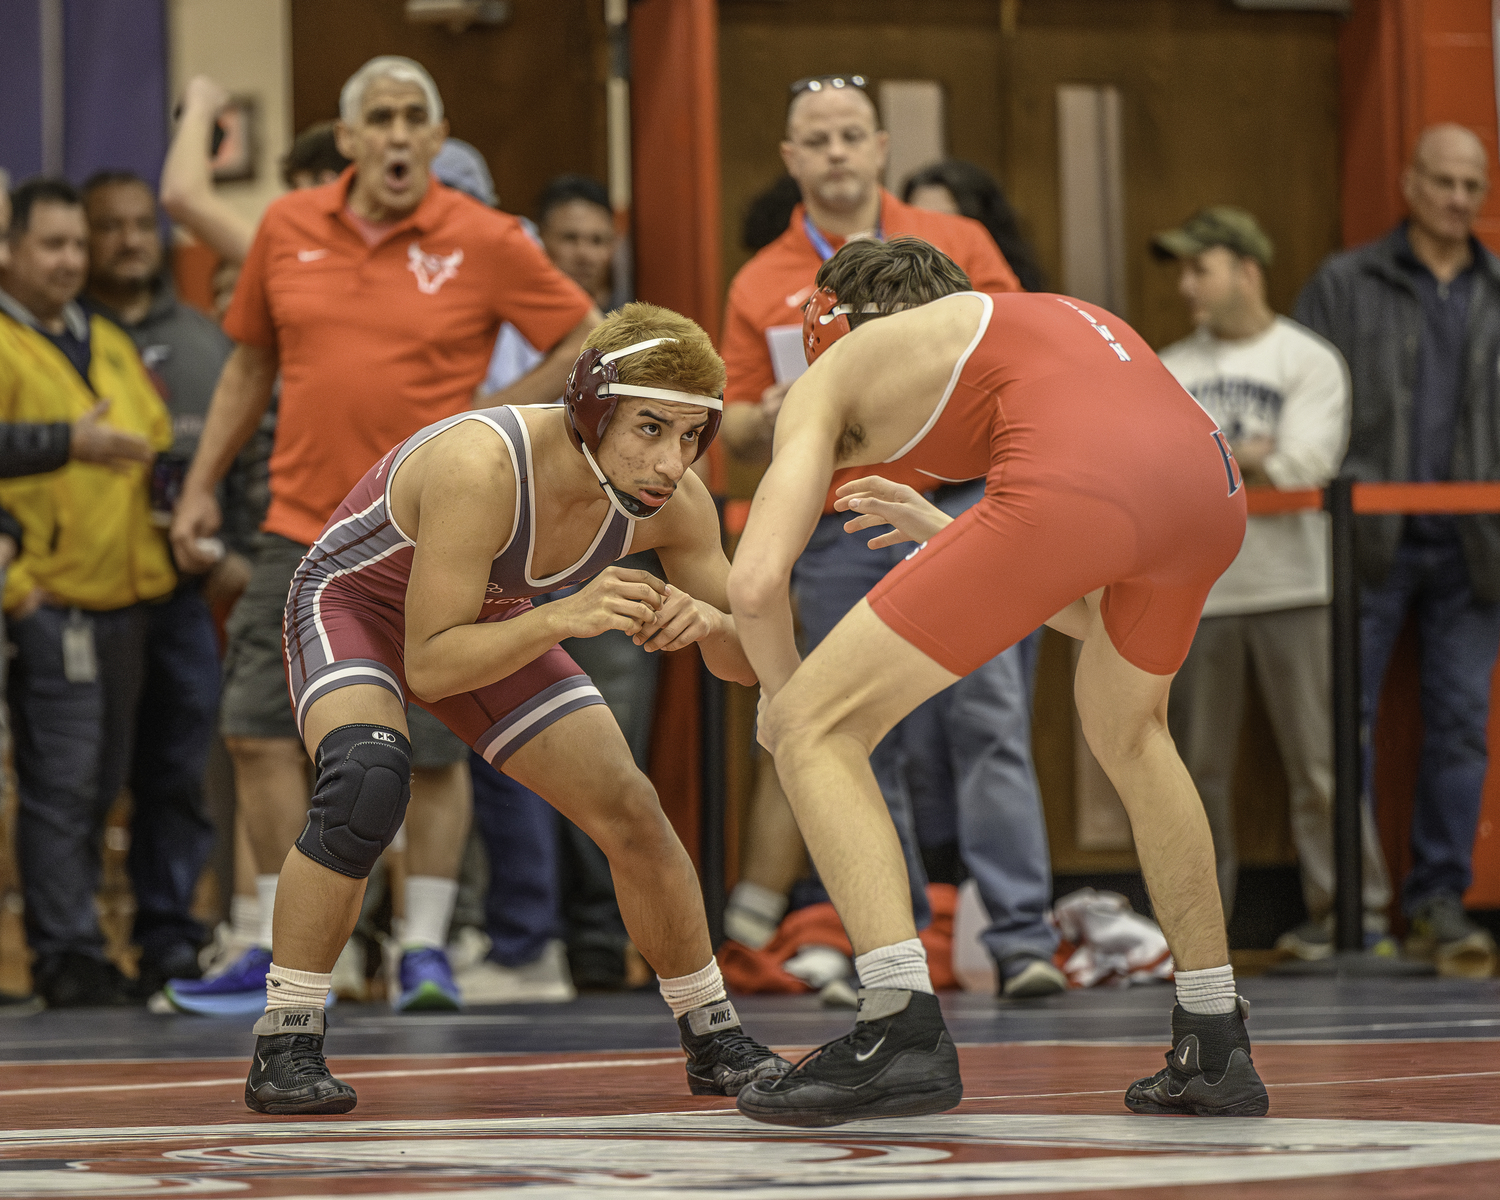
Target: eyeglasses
(818,83)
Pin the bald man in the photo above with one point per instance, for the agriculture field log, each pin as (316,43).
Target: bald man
(1417,316)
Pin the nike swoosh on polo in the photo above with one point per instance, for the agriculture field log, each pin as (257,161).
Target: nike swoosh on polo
(311,255)
(798,299)
(871,1050)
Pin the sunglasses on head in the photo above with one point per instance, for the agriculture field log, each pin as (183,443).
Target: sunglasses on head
(818,83)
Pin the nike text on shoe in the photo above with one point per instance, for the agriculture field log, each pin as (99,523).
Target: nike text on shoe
(721,1057)
(288,1074)
(1208,1073)
(898,1062)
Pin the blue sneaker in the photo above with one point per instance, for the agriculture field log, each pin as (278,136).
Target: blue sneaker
(426,982)
(238,991)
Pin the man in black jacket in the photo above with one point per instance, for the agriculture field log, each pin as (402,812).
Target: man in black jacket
(1417,316)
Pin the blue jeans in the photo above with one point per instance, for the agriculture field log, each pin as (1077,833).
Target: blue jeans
(965,752)
(1458,638)
(171,836)
(519,830)
(72,750)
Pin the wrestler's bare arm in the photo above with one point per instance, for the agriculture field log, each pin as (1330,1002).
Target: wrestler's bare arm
(466,508)
(785,511)
(697,607)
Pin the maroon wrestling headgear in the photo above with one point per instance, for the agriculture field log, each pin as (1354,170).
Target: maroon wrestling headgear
(592,393)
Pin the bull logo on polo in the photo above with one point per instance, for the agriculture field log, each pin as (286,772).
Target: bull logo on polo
(432,270)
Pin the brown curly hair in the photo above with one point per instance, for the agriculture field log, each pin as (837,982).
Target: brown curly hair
(689,364)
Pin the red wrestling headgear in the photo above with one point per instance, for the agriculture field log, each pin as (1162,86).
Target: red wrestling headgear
(589,402)
(824,321)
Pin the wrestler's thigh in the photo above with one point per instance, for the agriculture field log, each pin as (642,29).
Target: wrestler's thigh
(357,704)
(862,678)
(582,766)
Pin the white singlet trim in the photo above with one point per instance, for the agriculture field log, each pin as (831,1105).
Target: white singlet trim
(958,367)
(553,581)
(515,467)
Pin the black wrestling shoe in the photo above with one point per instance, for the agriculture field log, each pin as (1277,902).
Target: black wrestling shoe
(898,1062)
(721,1057)
(1208,1071)
(288,1074)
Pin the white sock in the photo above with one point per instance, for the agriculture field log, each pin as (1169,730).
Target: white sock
(429,908)
(1210,991)
(286,988)
(265,890)
(753,913)
(244,918)
(694,991)
(901,965)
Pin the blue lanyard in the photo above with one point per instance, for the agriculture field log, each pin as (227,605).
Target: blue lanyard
(821,244)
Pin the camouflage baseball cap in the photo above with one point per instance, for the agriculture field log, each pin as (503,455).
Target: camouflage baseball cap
(1221,225)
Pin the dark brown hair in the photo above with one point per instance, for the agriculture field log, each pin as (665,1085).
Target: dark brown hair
(901,273)
(314,151)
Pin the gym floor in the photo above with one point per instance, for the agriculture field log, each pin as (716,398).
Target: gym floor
(1379,1088)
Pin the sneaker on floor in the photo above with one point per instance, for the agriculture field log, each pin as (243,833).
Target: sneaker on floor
(288,1074)
(1442,934)
(156,966)
(545,980)
(1027,976)
(73,980)
(237,991)
(426,982)
(1208,1073)
(1310,941)
(12,1005)
(349,981)
(721,1057)
(897,1062)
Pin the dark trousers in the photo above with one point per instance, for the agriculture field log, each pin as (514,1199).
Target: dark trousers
(72,748)
(1458,637)
(171,835)
(519,830)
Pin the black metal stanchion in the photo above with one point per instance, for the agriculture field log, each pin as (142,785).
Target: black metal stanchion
(1349,933)
(711,708)
(1349,956)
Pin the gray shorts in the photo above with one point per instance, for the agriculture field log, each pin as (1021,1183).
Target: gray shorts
(256,702)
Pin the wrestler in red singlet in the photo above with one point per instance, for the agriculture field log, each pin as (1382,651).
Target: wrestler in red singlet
(1101,472)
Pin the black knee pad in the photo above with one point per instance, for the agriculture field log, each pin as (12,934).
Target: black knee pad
(359,802)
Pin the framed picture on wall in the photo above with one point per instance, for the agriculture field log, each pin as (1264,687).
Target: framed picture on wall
(235,141)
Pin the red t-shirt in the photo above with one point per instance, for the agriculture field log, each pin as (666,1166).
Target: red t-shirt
(378,341)
(770,290)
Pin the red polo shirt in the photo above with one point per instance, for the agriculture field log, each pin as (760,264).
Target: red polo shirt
(772,287)
(376,342)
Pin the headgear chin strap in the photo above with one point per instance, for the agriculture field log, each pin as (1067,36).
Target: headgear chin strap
(589,403)
(825,320)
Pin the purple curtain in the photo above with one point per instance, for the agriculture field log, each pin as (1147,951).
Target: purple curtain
(114,87)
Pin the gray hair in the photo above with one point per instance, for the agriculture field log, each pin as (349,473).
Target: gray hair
(387,66)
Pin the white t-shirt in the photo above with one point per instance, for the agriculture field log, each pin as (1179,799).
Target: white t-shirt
(1290,385)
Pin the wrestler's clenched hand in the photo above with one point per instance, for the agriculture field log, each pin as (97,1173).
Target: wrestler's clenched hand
(679,622)
(616,598)
(878,501)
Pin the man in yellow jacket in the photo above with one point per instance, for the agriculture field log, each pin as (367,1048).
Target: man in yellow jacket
(90,556)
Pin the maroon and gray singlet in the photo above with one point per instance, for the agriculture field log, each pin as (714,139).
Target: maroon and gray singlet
(346,612)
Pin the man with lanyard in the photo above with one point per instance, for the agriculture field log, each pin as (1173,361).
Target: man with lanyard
(836,151)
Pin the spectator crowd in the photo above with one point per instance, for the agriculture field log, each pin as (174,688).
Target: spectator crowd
(164,470)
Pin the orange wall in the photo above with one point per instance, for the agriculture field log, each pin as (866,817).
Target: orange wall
(1407,64)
